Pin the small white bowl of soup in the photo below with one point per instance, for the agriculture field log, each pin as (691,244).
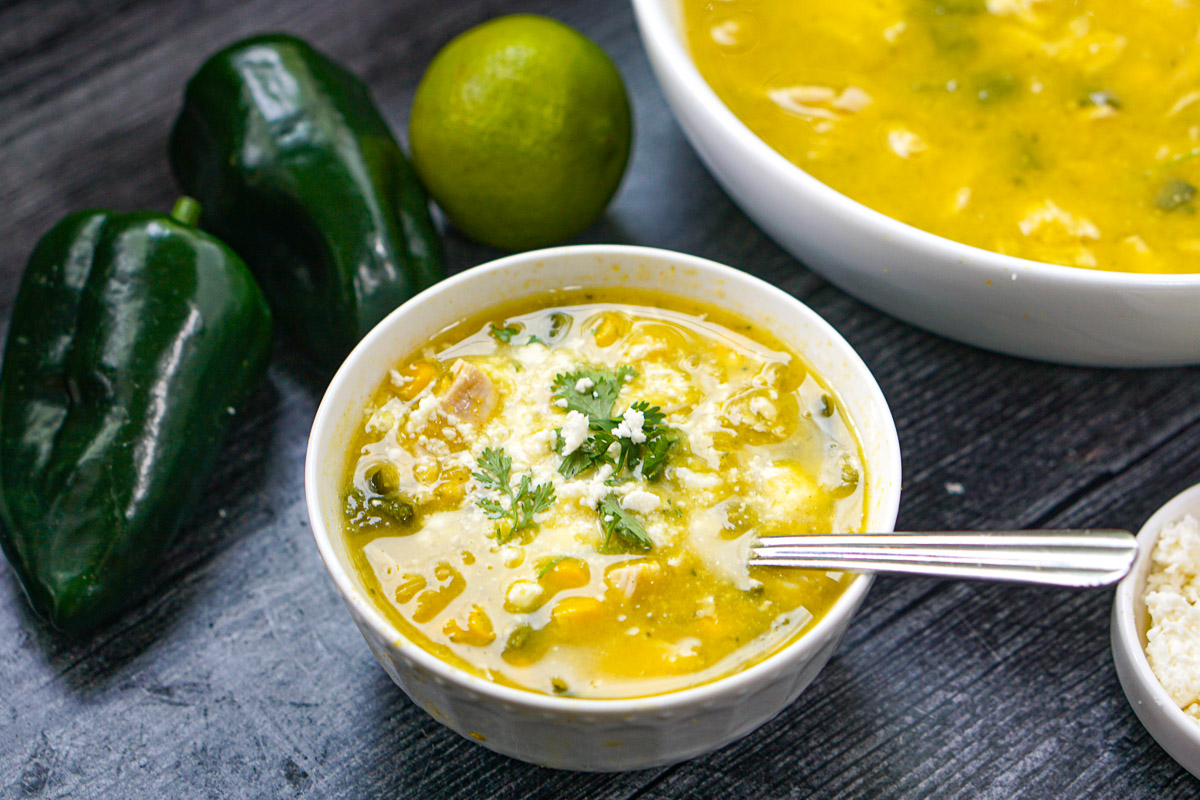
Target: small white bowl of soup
(1016,175)
(536,483)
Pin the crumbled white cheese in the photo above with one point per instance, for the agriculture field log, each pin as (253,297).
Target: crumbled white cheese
(697,480)
(512,555)
(726,558)
(583,384)
(685,648)
(427,409)
(1051,223)
(904,142)
(1173,602)
(852,99)
(1022,9)
(574,431)
(641,501)
(523,595)
(589,492)
(762,407)
(631,426)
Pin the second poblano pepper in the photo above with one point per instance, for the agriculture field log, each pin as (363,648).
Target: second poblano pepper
(134,338)
(301,175)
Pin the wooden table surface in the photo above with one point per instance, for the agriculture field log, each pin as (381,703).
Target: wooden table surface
(241,676)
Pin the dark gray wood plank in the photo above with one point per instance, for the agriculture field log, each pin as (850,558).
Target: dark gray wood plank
(240,675)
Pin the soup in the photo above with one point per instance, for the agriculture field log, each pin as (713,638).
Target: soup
(1064,132)
(561,496)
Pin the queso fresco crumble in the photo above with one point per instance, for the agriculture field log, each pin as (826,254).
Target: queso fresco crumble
(1173,603)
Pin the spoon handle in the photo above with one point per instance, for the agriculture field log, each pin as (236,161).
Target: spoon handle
(1078,558)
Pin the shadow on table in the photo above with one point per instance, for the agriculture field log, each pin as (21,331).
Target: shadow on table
(88,662)
(413,755)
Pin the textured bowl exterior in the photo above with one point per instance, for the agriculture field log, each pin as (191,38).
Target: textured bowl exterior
(999,302)
(571,733)
(599,740)
(1177,733)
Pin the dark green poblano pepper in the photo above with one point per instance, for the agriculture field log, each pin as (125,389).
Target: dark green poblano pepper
(301,175)
(134,338)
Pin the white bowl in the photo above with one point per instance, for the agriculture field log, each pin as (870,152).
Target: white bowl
(1012,305)
(1178,734)
(578,733)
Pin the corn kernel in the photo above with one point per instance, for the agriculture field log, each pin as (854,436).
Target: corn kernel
(418,374)
(408,587)
(478,633)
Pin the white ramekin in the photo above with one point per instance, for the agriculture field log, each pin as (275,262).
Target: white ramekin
(576,733)
(1016,306)
(1178,734)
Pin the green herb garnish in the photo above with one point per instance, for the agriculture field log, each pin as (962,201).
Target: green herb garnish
(618,522)
(504,334)
(523,501)
(596,403)
(549,565)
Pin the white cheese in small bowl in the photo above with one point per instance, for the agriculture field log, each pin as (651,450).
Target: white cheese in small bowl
(1156,629)
(1173,603)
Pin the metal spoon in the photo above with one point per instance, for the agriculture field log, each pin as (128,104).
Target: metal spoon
(1079,558)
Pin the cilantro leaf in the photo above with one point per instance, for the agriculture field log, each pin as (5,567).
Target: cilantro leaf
(600,388)
(597,400)
(618,522)
(504,334)
(495,469)
(524,501)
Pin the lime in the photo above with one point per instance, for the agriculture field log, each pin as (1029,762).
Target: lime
(520,131)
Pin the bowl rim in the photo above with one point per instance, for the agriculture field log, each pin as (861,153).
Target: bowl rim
(661,36)
(1125,636)
(804,647)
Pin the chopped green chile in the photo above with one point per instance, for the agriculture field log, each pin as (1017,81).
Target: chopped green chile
(1175,194)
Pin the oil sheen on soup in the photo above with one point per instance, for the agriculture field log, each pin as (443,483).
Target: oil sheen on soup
(1064,132)
(561,496)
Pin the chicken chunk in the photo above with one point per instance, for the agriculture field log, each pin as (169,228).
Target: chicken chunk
(471,397)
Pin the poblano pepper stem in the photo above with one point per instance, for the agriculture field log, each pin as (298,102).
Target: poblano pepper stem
(187,210)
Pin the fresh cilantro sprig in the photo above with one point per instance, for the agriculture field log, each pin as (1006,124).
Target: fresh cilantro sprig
(618,522)
(504,334)
(525,500)
(596,402)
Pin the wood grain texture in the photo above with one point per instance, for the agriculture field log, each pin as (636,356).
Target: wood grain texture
(239,675)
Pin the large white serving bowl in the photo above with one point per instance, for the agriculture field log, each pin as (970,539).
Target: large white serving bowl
(575,733)
(1012,305)
(1178,734)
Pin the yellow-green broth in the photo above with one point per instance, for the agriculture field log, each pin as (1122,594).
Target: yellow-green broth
(1060,131)
(759,445)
